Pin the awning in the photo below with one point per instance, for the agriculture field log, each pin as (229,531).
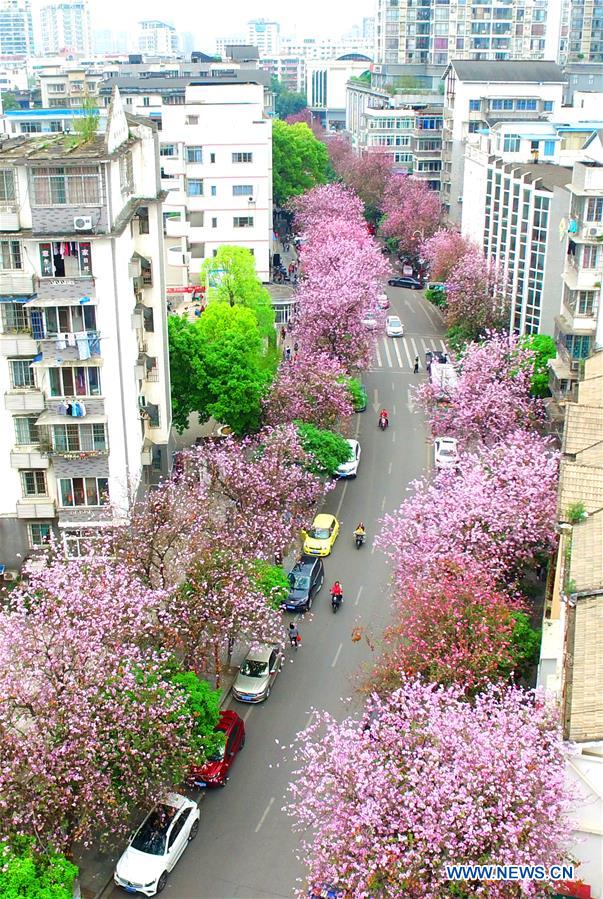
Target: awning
(10,298)
(50,417)
(38,302)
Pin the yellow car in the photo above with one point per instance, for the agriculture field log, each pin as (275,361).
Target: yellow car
(322,535)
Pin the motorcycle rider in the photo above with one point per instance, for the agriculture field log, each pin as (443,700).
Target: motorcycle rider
(337,593)
(384,418)
(293,634)
(360,531)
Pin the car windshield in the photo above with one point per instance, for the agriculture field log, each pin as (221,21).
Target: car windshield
(299,581)
(319,533)
(254,668)
(394,322)
(151,836)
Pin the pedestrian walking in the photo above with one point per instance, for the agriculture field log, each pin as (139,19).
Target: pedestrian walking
(416,368)
(291,269)
(288,354)
(283,333)
(295,348)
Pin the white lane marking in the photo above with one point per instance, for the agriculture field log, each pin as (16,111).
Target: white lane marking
(443,345)
(427,312)
(247,714)
(372,548)
(410,361)
(309,721)
(394,437)
(376,397)
(379,363)
(343,492)
(410,405)
(389,470)
(425,347)
(359,594)
(408,304)
(386,348)
(394,409)
(265,815)
(393,387)
(414,347)
(334,662)
(396,347)
(383,503)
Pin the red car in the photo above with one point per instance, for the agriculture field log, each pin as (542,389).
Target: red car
(214,772)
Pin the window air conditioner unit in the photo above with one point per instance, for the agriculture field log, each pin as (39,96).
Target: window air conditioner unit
(82,223)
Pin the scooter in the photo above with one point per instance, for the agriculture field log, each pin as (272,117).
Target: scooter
(359,540)
(383,422)
(336,600)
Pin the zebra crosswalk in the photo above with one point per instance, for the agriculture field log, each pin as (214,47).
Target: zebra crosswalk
(399,352)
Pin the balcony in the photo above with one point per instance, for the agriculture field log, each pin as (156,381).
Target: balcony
(78,347)
(9,218)
(65,289)
(36,508)
(28,457)
(176,227)
(581,278)
(17,283)
(24,399)
(587,178)
(576,323)
(18,345)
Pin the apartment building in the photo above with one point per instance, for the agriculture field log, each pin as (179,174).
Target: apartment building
(86,417)
(16,30)
(326,87)
(65,26)
(157,38)
(571,666)
(289,70)
(581,37)
(477,95)
(68,86)
(264,35)
(435,33)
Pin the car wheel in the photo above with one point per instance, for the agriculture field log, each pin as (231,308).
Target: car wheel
(193,831)
(223,783)
(162,882)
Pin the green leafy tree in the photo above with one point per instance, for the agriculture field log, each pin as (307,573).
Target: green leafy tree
(525,645)
(299,160)
(218,367)
(327,449)
(287,102)
(28,874)
(9,101)
(544,349)
(357,394)
(231,278)
(272,583)
(203,704)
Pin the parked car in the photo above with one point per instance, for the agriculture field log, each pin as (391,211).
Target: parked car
(383,301)
(446,453)
(393,326)
(361,402)
(319,540)
(369,321)
(157,845)
(305,580)
(349,469)
(258,673)
(214,773)
(406,281)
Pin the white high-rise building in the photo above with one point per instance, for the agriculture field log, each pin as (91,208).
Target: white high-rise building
(85,418)
(66,26)
(157,38)
(264,35)
(16,29)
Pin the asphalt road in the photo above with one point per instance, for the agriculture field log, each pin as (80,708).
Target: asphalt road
(245,846)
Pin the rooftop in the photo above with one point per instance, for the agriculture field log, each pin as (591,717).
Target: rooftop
(583,712)
(523,71)
(548,173)
(159,82)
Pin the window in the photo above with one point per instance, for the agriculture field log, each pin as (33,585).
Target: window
(10,255)
(474,127)
(75,381)
(590,257)
(68,319)
(7,185)
(84,492)
(21,373)
(26,433)
(168,150)
(194,187)
(33,483)
(547,106)
(65,259)
(191,120)
(585,302)
(72,438)
(214,190)
(214,222)
(242,190)
(594,209)
(549,148)
(474,105)
(194,154)
(73,186)
(146,101)
(212,157)
(243,221)
(511,143)
(502,104)
(525,104)
(31,127)
(39,533)
(242,157)
(15,318)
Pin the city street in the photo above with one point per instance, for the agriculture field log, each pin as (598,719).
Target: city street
(245,846)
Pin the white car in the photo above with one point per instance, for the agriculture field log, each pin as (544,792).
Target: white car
(369,321)
(446,452)
(383,301)
(393,326)
(157,845)
(350,469)
(257,673)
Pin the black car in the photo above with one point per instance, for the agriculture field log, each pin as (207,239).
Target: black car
(305,580)
(405,281)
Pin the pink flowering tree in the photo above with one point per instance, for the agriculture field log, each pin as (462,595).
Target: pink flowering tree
(431,780)
(326,203)
(498,509)
(454,626)
(476,296)
(312,388)
(91,726)
(411,213)
(492,397)
(442,251)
